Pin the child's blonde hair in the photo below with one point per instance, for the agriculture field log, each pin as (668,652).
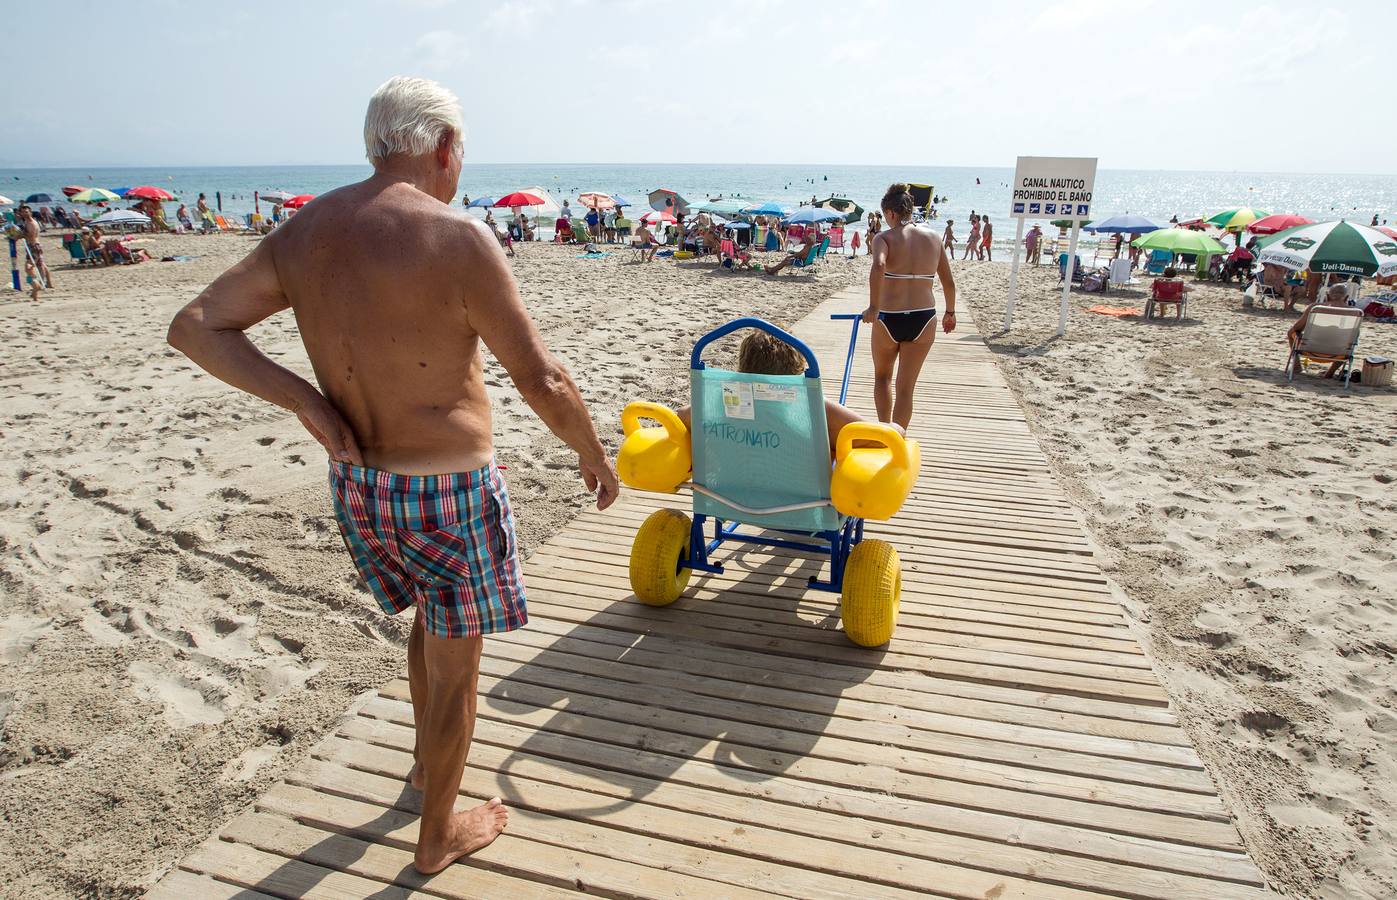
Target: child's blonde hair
(766,354)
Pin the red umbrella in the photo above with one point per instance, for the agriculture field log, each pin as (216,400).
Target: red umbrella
(146,192)
(72,189)
(1278,222)
(651,218)
(519,198)
(298,201)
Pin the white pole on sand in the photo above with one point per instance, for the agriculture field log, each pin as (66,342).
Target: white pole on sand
(1067,270)
(1013,275)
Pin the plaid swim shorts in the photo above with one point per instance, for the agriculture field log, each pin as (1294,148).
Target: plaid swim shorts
(442,543)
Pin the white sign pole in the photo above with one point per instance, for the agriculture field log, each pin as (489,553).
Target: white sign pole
(1013,275)
(1067,270)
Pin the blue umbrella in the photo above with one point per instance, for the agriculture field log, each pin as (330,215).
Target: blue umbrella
(767,209)
(120,192)
(620,201)
(737,225)
(38,198)
(1123,224)
(810,215)
(482,201)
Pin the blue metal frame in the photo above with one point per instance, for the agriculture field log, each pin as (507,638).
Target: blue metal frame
(838,543)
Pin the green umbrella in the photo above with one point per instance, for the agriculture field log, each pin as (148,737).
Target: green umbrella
(1068,223)
(94,195)
(1236,219)
(1180,240)
(1332,247)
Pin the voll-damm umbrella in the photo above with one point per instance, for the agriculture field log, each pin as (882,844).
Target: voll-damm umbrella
(1340,247)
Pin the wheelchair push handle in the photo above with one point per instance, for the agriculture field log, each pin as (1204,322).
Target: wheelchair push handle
(873,432)
(812,364)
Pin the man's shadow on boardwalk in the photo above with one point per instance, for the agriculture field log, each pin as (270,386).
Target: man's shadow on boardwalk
(639,692)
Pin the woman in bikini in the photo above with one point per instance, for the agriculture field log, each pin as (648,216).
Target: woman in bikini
(905,260)
(972,243)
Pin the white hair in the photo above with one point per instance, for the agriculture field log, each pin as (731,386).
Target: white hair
(410,116)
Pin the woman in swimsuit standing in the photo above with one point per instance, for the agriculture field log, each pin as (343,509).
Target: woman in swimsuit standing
(905,260)
(972,244)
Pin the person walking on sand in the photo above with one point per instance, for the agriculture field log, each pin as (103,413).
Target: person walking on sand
(972,243)
(901,301)
(24,216)
(395,290)
(948,238)
(986,239)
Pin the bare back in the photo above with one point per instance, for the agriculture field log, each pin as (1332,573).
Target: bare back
(906,250)
(378,282)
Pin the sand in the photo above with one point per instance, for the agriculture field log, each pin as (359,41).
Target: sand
(1250,524)
(182,620)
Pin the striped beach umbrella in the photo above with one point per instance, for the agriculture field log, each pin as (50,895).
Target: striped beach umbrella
(1236,219)
(94,195)
(1340,247)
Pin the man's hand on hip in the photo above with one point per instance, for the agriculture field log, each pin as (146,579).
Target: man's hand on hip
(327,426)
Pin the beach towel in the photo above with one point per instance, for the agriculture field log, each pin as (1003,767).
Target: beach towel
(1114,310)
(594,254)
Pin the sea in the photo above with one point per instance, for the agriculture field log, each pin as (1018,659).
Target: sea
(1157,195)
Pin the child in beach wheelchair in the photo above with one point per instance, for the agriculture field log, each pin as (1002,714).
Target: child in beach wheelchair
(747,450)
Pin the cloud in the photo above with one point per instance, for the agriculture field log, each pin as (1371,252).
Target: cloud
(442,50)
(513,14)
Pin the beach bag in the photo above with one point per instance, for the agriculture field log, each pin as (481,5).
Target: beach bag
(1093,283)
(1379,310)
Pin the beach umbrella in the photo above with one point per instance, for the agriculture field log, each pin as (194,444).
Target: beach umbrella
(38,198)
(519,198)
(736,225)
(596,200)
(808,215)
(1236,219)
(663,199)
(5,201)
(1340,247)
(1279,222)
(851,210)
(1390,232)
(298,201)
(120,192)
(766,209)
(729,207)
(276,198)
(620,201)
(72,189)
(549,206)
(657,216)
(1180,240)
(146,192)
(1068,223)
(1123,224)
(94,195)
(122,217)
(481,202)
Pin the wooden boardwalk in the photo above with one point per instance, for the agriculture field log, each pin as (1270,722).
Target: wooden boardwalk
(1011,741)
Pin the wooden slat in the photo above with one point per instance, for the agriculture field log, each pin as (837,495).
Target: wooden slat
(1011,741)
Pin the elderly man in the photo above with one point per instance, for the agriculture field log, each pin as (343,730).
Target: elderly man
(24,217)
(394,290)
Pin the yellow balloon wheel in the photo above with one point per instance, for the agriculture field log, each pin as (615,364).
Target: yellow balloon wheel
(872,593)
(661,542)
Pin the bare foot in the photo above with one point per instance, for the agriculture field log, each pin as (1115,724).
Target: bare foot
(417,777)
(469,831)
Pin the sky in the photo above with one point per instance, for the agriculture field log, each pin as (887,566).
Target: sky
(1272,86)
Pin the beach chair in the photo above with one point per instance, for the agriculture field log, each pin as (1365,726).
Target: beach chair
(1330,336)
(809,259)
(1105,250)
(757,455)
(821,248)
(222,223)
(733,258)
(581,231)
(1260,291)
(623,228)
(80,255)
(1165,292)
(1159,261)
(1077,271)
(836,238)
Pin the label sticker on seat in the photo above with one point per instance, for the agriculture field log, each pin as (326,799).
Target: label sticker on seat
(779,392)
(737,400)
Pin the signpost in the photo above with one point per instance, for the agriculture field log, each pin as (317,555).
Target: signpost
(1050,187)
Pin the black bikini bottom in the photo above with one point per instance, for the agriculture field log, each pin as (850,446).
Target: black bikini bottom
(905,326)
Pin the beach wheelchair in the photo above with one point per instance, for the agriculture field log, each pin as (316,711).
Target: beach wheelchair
(758,456)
